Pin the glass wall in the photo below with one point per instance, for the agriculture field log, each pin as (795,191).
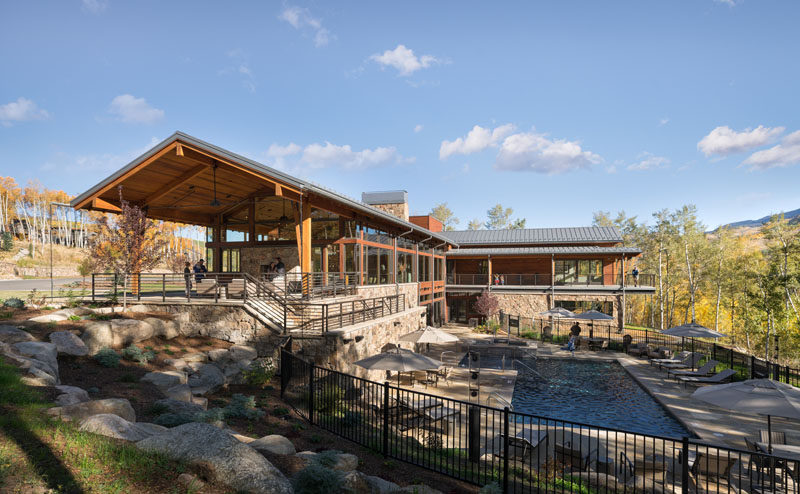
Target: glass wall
(230,261)
(324,225)
(438,269)
(236,227)
(579,271)
(405,267)
(209,260)
(378,265)
(351,257)
(333,258)
(423,267)
(579,306)
(274,219)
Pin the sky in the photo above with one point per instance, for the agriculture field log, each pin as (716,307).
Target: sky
(554,109)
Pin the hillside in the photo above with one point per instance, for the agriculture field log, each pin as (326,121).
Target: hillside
(792,216)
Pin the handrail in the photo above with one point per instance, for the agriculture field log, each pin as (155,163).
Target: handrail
(517,361)
(496,396)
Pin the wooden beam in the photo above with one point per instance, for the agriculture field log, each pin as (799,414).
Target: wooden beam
(102,205)
(246,201)
(126,175)
(170,214)
(305,261)
(179,149)
(169,187)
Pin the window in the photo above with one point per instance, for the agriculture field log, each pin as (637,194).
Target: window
(378,236)
(350,228)
(583,271)
(579,306)
(316,259)
(274,219)
(424,267)
(379,266)
(324,225)
(483,266)
(438,269)
(405,267)
(237,226)
(209,259)
(333,258)
(351,257)
(230,261)
(209,234)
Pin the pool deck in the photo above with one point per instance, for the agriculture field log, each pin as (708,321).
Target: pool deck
(709,423)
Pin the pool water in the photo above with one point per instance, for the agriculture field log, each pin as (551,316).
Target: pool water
(599,393)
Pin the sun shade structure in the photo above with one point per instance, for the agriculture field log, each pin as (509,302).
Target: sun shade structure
(399,361)
(593,315)
(429,335)
(558,312)
(693,330)
(761,396)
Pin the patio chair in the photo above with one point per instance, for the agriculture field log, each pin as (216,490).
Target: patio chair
(645,350)
(547,333)
(705,370)
(635,349)
(759,462)
(573,459)
(778,437)
(709,472)
(690,361)
(522,445)
(598,346)
(676,359)
(659,353)
(235,288)
(641,470)
(718,378)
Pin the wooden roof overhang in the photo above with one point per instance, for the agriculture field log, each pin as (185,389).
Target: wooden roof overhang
(177,178)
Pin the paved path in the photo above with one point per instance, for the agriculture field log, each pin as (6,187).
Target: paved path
(39,284)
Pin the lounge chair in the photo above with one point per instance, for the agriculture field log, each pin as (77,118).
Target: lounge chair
(711,473)
(678,358)
(659,353)
(690,361)
(719,377)
(573,458)
(705,370)
(524,444)
(637,349)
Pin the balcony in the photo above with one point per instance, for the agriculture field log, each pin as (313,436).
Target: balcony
(644,282)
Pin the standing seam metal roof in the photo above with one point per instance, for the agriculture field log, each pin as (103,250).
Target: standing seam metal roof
(514,251)
(588,234)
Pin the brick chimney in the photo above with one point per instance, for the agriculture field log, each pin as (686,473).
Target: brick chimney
(394,202)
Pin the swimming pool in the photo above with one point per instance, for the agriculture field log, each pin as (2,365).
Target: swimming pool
(600,393)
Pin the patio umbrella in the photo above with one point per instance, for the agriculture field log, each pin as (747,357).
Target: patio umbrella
(762,396)
(557,312)
(692,330)
(593,315)
(429,335)
(399,361)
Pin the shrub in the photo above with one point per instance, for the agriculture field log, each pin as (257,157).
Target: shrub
(36,298)
(210,415)
(280,411)
(529,334)
(7,243)
(135,353)
(107,357)
(329,397)
(259,374)
(6,315)
(99,317)
(327,458)
(14,303)
(74,318)
(316,479)
(244,407)
(491,488)
(351,419)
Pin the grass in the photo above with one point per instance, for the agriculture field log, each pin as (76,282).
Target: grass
(38,452)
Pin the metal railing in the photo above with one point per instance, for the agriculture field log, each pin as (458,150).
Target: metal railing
(521,452)
(546,279)
(138,286)
(746,366)
(316,318)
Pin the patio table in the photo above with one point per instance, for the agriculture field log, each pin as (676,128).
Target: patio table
(788,451)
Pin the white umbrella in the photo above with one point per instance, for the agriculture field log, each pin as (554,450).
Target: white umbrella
(557,312)
(693,330)
(429,335)
(593,315)
(762,396)
(399,361)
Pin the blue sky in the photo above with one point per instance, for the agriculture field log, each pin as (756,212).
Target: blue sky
(556,109)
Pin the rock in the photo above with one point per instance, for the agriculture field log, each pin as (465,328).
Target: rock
(38,377)
(359,483)
(200,401)
(194,366)
(190,482)
(141,309)
(207,379)
(233,371)
(178,407)
(165,329)
(180,392)
(71,395)
(11,335)
(306,456)
(80,411)
(46,353)
(345,462)
(97,336)
(219,355)
(176,363)
(52,317)
(110,425)
(76,311)
(69,344)
(231,462)
(274,444)
(242,352)
(165,380)
(128,331)
(195,357)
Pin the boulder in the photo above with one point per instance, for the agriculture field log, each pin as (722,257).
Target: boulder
(200,401)
(68,344)
(165,329)
(195,357)
(45,353)
(71,395)
(110,425)
(80,411)
(97,336)
(178,407)
(141,309)
(38,377)
(128,331)
(207,379)
(52,317)
(274,444)
(359,483)
(219,356)
(11,335)
(76,311)
(165,379)
(242,352)
(231,462)
(176,363)
(179,392)
(233,371)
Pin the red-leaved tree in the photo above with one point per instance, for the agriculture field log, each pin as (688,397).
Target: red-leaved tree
(486,305)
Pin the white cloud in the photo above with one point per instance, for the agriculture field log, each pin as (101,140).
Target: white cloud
(664,121)
(418,128)
(648,161)
(21,110)
(527,151)
(100,163)
(328,155)
(134,110)
(786,153)
(404,60)
(476,140)
(729,3)
(95,6)
(723,141)
(302,20)
(240,67)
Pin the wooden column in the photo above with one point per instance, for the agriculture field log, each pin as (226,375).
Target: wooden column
(490,270)
(305,257)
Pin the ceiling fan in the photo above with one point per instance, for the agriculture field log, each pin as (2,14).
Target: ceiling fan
(215,203)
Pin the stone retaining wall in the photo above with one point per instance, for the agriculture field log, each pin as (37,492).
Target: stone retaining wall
(410,290)
(532,304)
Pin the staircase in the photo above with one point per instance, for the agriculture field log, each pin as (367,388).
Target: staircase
(268,302)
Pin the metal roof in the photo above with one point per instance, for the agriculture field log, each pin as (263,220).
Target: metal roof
(587,234)
(385,197)
(522,251)
(260,168)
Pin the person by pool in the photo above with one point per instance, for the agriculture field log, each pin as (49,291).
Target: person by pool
(570,346)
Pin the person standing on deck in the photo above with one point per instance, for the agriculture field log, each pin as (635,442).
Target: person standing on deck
(199,270)
(280,267)
(187,277)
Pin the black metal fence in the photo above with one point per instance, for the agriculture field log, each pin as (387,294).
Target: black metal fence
(546,279)
(746,366)
(317,318)
(520,452)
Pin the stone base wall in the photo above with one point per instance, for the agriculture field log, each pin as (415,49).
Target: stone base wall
(340,348)
(410,290)
(531,304)
(224,322)
(253,257)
